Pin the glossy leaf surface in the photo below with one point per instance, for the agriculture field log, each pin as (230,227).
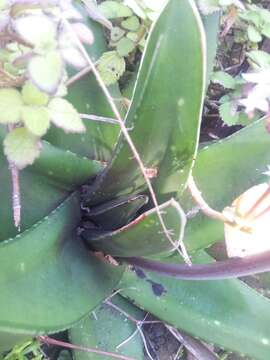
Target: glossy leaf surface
(142,236)
(165,111)
(106,328)
(52,276)
(43,185)
(227,313)
(222,172)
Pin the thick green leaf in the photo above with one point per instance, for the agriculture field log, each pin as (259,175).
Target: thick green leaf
(222,172)
(142,236)
(116,213)
(227,313)
(87,97)
(43,185)
(51,282)
(211,27)
(106,328)
(165,112)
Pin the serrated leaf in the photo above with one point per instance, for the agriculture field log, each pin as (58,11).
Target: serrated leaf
(64,115)
(38,30)
(131,24)
(164,146)
(228,113)
(33,96)
(125,46)
(224,79)
(253,34)
(36,119)
(10,106)
(46,71)
(21,147)
(57,280)
(111,67)
(113,10)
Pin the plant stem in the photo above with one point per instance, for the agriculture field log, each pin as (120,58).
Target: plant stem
(48,340)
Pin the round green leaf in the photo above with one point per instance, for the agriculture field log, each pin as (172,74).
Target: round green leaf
(131,23)
(125,46)
(113,9)
(65,116)
(10,106)
(111,67)
(36,119)
(117,33)
(38,30)
(21,147)
(33,96)
(46,71)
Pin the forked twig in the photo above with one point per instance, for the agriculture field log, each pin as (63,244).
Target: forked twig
(48,340)
(124,131)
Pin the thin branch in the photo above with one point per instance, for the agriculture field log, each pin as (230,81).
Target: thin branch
(206,209)
(123,129)
(48,340)
(16,194)
(79,75)
(98,118)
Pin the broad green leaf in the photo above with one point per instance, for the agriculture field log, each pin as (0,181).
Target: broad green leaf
(224,79)
(36,119)
(211,27)
(143,236)
(85,94)
(98,330)
(21,147)
(222,172)
(64,169)
(111,67)
(33,96)
(10,106)
(116,213)
(43,185)
(227,313)
(125,46)
(114,9)
(253,34)
(46,71)
(51,277)
(38,30)
(165,111)
(132,23)
(64,115)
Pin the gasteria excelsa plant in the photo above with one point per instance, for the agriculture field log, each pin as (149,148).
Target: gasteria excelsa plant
(74,247)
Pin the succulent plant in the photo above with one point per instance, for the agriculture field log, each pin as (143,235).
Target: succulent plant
(85,203)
